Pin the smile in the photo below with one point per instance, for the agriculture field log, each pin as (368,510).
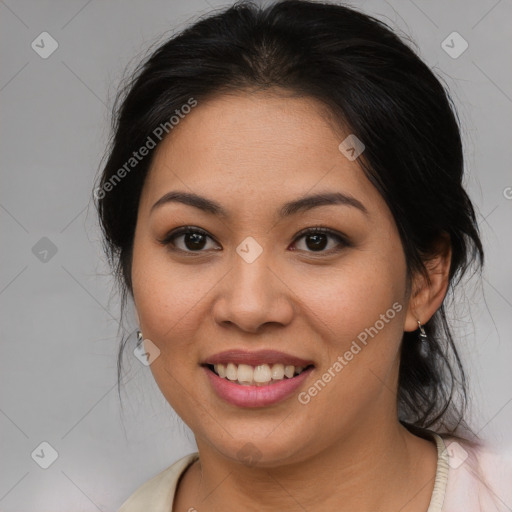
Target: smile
(259,375)
(255,378)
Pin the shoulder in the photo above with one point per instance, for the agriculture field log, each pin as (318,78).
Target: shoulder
(479,477)
(157,494)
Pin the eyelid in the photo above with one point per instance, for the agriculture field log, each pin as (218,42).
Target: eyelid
(311,230)
(343,240)
(321,229)
(183,230)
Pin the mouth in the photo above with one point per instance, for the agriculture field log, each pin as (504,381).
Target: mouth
(259,375)
(256,379)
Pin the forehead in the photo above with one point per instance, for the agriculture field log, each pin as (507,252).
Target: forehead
(256,147)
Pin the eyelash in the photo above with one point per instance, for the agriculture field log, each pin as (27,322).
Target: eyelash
(314,230)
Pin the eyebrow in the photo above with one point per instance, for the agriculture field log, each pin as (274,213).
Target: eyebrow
(288,209)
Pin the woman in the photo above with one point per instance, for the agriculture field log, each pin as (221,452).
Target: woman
(283,202)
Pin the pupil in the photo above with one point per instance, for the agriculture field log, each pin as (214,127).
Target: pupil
(194,241)
(319,243)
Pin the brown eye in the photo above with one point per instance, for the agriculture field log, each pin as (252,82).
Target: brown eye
(317,239)
(190,239)
(187,239)
(194,241)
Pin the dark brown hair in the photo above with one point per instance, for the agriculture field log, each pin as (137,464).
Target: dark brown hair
(372,82)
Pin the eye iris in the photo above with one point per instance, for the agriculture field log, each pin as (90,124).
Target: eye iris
(194,241)
(320,241)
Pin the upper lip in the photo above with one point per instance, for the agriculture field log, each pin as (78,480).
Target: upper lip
(256,358)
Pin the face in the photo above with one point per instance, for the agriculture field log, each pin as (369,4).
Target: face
(248,282)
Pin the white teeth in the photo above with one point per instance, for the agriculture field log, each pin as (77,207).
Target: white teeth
(262,373)
(221,370)
(277,371)
(231,372)
(289,371)
(245,373)
(259,375)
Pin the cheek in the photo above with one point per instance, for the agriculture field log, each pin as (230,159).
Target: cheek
(360,312)
(161,299)
(166,300)
(169,297)
(351,298)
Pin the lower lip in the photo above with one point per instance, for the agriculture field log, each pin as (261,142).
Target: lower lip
(255,396)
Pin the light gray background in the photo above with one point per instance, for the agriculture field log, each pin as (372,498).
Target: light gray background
(60,318)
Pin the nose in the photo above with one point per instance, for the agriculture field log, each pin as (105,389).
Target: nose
(253,295)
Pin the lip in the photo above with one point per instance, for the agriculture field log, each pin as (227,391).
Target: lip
(256,358)
(255,396)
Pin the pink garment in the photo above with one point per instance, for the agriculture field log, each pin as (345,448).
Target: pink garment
(479,479)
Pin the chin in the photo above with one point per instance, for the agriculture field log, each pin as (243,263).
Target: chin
(258,448)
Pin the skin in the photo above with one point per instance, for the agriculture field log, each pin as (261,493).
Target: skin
(345,450)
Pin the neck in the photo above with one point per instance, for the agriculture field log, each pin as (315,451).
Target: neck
(379,468)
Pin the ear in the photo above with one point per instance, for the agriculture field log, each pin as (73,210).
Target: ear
(428,295)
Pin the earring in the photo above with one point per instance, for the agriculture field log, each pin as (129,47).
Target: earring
(423,340)
(139,337)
